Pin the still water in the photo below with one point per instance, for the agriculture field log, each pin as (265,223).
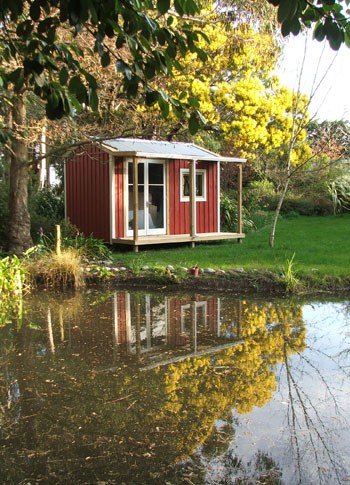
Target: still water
(131,388)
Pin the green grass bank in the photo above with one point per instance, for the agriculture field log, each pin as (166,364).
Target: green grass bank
(320,245)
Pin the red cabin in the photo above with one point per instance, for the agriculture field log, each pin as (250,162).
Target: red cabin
(137,192)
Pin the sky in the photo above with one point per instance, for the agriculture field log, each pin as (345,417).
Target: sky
(331,100)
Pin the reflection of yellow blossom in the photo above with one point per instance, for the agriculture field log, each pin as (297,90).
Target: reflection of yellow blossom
(195,389)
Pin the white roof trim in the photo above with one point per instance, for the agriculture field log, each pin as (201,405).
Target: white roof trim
(208,156)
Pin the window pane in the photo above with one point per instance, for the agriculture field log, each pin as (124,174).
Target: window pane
(141,207)
(200,189)
(199,185)
(155,207)
(140,169)
(185,185)
(155,173)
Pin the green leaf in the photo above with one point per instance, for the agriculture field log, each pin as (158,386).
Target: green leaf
(194,102)
(161,37)
(63,76)
(201,117)
(91,80)
(171,51)
(334,35)
(15,75)
(54,111)
(132,86)
(151,98)
(201,54)
(192,7)
(93,101)
(164,107)
(35,11)
(286,28)
(51,35)
(163,6)
(319,32)
(286,10)
(145,43)
(193,124)
(178,7)
(77,88)
(105,59)
(123,68)
(149,71)
(310,14)
(163,95)
(31,65)
(295,26)
(347,39)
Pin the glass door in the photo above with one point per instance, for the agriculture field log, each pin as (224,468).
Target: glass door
(151,197)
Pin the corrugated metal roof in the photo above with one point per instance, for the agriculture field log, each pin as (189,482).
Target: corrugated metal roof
(163,149)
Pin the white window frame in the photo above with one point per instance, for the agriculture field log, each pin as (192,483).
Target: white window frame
(186,198)
(147,231)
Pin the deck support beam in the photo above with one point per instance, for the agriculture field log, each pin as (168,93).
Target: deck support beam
(218,191)
(239,200)
(135,202)
(193,222)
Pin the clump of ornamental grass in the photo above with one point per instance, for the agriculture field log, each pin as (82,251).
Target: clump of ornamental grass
(59,269)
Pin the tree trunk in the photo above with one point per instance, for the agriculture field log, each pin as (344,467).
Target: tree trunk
(277,213)
(19,238)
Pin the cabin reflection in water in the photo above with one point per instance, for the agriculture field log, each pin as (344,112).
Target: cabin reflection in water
(145,326)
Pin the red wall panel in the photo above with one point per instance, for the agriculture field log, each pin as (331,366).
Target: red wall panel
(119,197)
(87,192)
(180,211)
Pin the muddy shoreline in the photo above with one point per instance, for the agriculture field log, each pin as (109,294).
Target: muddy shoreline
(252,282)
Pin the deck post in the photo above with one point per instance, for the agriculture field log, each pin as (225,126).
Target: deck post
(218,196)
(239,201)
(192,175)
(135,201)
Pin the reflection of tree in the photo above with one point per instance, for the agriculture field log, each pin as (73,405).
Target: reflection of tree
(70,421)
(312,432)
(310,435)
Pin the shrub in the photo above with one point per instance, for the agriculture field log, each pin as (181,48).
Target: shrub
(304,206)
(87,246)
(262,218)
(228,211)
(258,193)
(46,209)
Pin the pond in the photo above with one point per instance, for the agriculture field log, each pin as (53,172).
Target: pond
(139,387)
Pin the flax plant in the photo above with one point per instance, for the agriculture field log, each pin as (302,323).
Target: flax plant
(12,277)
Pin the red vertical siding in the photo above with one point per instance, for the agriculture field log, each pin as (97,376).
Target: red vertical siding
(87,192)
(121,318)
(180,211)
(119,197)
(176,338)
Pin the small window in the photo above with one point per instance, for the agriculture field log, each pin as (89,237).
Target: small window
(185,185)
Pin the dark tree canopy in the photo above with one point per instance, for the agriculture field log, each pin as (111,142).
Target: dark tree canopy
(330,17)
(34,57)
(37,59)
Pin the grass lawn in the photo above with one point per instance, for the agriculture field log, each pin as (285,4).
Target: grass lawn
(321,246)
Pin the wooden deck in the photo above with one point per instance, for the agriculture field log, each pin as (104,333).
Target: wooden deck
(178,238)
